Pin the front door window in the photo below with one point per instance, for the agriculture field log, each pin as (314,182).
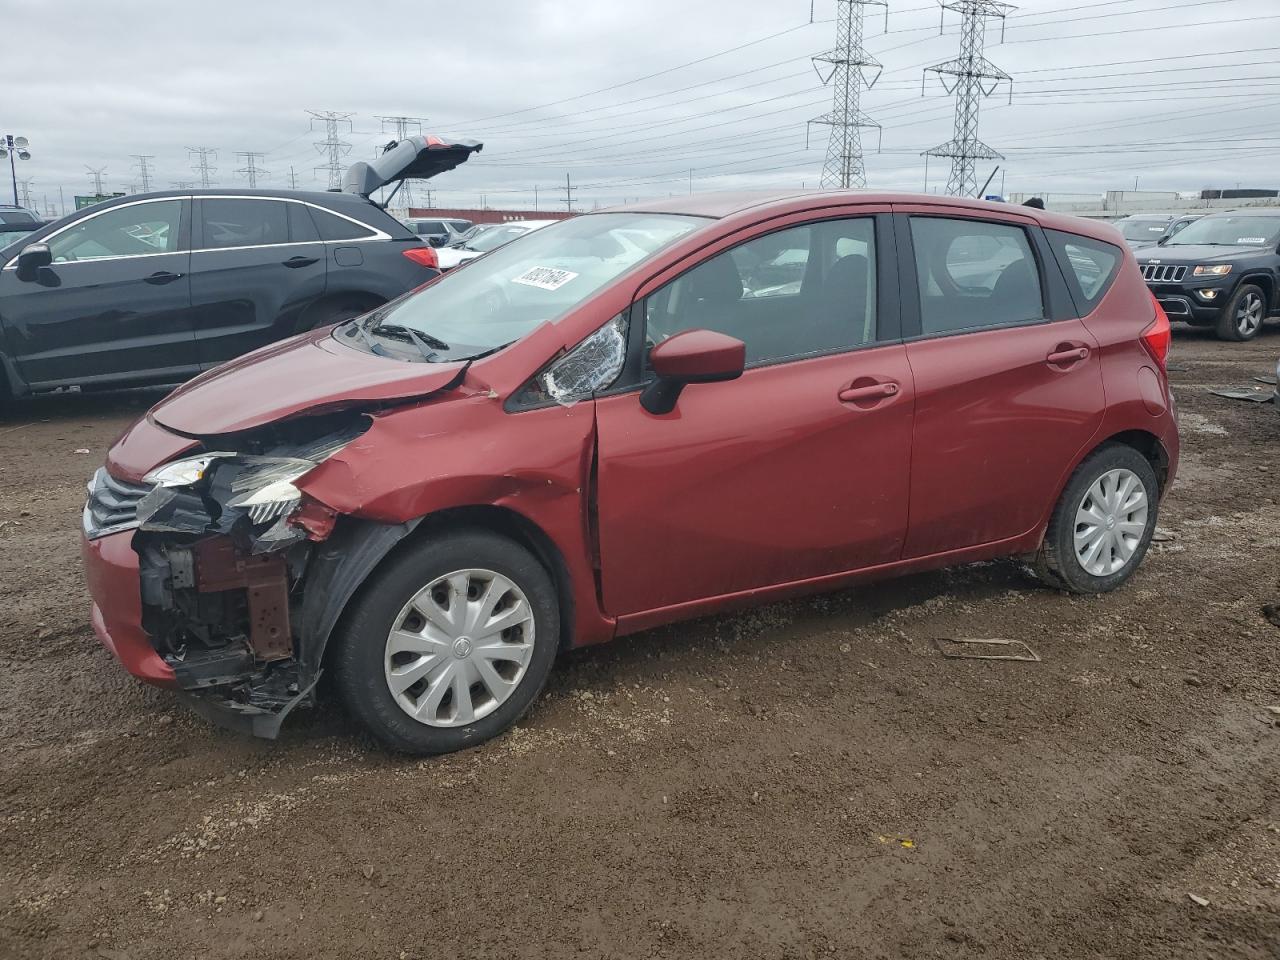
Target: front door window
(131,231)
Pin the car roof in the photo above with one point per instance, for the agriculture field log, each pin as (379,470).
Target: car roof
(723,205)
(1247,212)
(322,197)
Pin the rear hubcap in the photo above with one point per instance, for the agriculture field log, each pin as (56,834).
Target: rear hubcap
(1110,522)
(459,648)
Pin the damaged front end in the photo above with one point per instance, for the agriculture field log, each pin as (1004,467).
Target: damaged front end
(225,542)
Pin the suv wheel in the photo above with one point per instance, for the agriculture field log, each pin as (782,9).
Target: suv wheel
(1102,525)
(1243,316)
(450,645)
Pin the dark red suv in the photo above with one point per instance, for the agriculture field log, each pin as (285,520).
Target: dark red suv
(627,419)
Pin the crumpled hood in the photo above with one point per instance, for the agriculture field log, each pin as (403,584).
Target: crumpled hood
(309,373)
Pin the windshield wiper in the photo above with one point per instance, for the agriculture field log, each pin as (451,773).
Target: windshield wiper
(373,345)
(427,345)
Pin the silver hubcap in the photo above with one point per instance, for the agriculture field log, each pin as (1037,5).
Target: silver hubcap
(1249,316)
(459,648)
(1110,522)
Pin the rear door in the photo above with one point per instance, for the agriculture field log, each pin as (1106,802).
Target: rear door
(258,264)
(1008,381)
(797,470)
(114,306)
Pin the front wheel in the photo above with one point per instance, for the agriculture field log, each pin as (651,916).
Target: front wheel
(1243,315)
(1103,523)
(450,645)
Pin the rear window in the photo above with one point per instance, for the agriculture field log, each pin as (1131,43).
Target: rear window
(1090,266)
(334,227)
(17,217)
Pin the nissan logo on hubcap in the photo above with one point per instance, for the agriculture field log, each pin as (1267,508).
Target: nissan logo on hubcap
(462,648)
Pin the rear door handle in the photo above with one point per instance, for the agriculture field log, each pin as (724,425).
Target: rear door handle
(1072,355)
(876,391)
(294,262)
(163,277)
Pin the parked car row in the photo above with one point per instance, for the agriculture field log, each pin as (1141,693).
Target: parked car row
(155,288)
(627,419)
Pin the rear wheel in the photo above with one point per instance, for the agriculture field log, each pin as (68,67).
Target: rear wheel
(1243,316)
(327,313)
(1102,525)
(450,645)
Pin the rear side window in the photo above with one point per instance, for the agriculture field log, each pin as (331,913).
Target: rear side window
(243,223)
(1090,266)
(334,227)
(973,275)
(302,229)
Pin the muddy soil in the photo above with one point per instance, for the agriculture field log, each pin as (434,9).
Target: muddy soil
(810,779)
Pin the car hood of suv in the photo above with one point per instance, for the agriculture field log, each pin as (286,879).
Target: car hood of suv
(1197,253)
(413,158)
(308,374)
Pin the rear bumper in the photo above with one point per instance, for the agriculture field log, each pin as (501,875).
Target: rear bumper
(111,570)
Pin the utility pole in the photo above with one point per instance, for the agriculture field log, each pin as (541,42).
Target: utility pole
(293,178)
(144,171)
(62,202)
(251,171)
(852,67)
(431,199)
(973,77)
(535,197)
(332,144)
(96,177)
(200,164)
(569,191)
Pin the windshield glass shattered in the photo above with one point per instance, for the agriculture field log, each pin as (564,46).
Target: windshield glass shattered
(1230,232)
(535,279)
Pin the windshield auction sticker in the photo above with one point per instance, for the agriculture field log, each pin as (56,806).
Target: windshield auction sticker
(546,278)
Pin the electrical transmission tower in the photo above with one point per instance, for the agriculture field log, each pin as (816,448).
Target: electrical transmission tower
(332,144)
(402,125)
(96,177)
(144,170)
(852,67)
(251,171)
(200,163)
(973,77)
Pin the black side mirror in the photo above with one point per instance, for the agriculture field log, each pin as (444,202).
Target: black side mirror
(1162,241)
(31,259)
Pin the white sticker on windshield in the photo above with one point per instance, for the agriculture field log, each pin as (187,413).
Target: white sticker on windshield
(545,278)
(1252,240)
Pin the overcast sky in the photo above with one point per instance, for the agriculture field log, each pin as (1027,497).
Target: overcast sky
(608,92)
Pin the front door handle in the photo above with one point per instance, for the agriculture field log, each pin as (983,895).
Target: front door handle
(1067,354)
(294,262)
(875,391)
(163,277)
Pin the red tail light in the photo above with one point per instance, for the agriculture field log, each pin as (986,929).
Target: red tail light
(425,256)
(1157,337)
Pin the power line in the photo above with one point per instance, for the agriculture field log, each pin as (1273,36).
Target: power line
(851,68)
(969,71)
(251,171)
(332,144)
(201,156)
(96,176)
(144,171)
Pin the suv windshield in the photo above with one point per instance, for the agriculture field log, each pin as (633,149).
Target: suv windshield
(494,238)
(539,278)
(1222,230)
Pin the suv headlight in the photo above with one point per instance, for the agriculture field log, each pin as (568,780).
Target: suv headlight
(1212,270)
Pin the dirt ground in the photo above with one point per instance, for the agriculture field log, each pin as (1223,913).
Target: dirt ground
(811,779)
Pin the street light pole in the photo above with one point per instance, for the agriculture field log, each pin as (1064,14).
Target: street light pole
(15,148)
(13,170)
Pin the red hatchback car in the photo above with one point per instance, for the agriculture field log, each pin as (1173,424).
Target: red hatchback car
(631,418)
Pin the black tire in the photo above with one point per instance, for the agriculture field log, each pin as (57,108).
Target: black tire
(359,650)
(1232,323)
(329,312)
(1057,564)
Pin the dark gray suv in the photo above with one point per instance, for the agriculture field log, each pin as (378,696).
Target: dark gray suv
(155,288)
